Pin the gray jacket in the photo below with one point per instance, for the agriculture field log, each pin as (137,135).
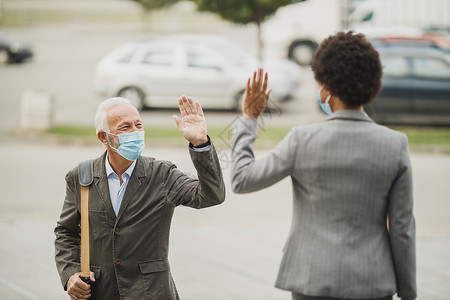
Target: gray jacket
(348,175)
(128,253)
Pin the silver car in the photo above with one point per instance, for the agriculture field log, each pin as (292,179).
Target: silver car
(210,69)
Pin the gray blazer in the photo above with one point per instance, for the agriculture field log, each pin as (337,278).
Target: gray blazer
(128,253)
(348,174)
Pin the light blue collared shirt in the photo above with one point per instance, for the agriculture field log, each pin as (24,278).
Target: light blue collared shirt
(116,191)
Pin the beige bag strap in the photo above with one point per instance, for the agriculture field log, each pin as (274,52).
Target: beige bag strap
(85,177)
(85,269)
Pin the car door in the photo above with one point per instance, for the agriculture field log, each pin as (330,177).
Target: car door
(396,96)
(207,77)
(159,71)
(432,86)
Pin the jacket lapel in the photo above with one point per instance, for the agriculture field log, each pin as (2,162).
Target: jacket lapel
(101,184)
(133,186)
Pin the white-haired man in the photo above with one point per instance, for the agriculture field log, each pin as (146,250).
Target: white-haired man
(131,203)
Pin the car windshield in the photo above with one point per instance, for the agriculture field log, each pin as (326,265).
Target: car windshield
(125,53)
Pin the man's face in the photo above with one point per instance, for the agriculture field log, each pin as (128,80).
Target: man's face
(124,118)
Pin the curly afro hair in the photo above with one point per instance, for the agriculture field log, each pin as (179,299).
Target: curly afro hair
(349,67)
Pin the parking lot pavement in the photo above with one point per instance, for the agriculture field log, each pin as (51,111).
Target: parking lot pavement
(231,251)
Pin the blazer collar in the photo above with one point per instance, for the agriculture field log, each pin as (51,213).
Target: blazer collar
(100,169)
(350,115)
(101,182)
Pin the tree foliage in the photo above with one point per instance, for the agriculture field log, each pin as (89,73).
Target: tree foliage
(242,11)
(155,4)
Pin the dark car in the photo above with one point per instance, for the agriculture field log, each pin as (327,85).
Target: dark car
(416,87)
(13,50)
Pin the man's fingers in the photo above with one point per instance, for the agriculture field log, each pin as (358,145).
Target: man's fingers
(199,109)
(181,107)
(177,121)
(191,106)
(79,291)
(186,106)
(92,276)
(80,296)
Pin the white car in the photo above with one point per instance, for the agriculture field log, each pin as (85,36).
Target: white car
(155,73)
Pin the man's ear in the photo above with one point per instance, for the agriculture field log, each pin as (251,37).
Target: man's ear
(101,135)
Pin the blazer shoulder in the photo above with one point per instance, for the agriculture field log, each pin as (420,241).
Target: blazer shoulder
(159,165)
(393,134)
(72,174)
(307,131)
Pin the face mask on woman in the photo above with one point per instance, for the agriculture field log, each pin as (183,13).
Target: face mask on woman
(325,107)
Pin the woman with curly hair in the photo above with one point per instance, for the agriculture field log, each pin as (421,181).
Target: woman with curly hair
(353,229)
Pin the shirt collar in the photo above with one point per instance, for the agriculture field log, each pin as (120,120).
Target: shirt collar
(109,169)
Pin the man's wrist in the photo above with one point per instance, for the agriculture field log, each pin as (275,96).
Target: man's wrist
(201,143)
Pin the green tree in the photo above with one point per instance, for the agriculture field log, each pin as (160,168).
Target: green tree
(244,12)
(150,5)
(155,4)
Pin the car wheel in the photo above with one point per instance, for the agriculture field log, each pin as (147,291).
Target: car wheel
(302,52)
(135,95)
(4,57)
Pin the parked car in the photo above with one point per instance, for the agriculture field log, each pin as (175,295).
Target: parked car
(210,69)
(425,40)
(13,50)
(416,87)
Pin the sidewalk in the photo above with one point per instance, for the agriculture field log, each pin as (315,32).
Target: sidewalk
(227,252)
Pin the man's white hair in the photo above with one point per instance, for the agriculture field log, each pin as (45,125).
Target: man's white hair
(101,115)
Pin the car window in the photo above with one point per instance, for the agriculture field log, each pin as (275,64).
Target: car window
(127,56)
(394,65)
(158,57)
(202,59)
(431,68)
(232,53)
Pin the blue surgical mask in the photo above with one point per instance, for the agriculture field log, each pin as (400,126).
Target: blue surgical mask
(131,144)
(325,107)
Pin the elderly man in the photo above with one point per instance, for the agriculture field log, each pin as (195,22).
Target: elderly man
(131,203)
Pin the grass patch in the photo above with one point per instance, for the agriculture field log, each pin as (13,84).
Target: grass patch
(267,137)
(426,135)
(72,131)
(220,135)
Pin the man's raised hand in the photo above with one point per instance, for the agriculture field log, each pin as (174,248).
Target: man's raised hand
(192,124)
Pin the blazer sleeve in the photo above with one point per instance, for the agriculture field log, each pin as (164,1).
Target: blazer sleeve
(207,190)
(249,175)
(67,232)
(402,227)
